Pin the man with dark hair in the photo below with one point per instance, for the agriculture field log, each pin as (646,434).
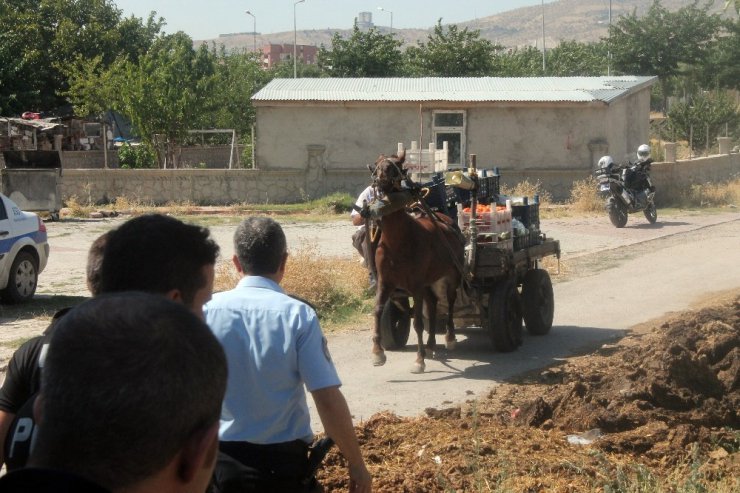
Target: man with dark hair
(151,253)
(159,254)
(274,346)
(130,400)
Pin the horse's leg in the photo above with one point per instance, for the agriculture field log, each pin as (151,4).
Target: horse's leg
(450,340)
(419,364)
(430,298)
(382,294)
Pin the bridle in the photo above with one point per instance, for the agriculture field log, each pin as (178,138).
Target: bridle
(380,182)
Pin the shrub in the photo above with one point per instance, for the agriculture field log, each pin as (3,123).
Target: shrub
(528,189)
(136,157)
(584,196)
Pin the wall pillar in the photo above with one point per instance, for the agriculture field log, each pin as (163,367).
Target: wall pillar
(670,152)
(598,148)
(724,144)
(316,172)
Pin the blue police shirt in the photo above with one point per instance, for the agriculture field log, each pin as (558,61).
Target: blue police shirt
(273,346)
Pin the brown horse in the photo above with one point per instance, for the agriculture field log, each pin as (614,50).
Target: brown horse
(422,255)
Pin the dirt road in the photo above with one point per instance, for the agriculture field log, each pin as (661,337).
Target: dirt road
(613,279)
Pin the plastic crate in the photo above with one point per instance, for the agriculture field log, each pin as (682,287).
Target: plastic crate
(526,241)
(528,215)
(436,199)
(488,189)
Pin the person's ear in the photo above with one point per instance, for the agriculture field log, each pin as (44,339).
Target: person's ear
(174,295)
(199,452)
(237,264)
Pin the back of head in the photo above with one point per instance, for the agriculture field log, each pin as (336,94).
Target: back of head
(260,245)
(157,253)
(95,263)
(129,377)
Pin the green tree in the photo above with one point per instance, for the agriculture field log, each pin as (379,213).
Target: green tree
(237,77)
(526,62)
(571,58)
(721,66)
(704,113)
(451,52)
(364,54)
(661,42)
(41,39)
(169,92)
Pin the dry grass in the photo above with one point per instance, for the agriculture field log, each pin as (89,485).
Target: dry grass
(334,286)
(713,194)
(584,196)
(528,189)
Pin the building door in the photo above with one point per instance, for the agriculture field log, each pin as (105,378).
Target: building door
(449,126)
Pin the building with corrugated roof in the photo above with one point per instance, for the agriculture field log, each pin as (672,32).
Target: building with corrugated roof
(548,128)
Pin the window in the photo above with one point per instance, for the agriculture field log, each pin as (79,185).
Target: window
(449,126)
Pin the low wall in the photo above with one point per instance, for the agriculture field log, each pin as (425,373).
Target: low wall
(204,186)
(675,179)
(224,186)
(210,157)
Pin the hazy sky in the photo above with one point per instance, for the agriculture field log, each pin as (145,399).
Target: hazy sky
(208,18)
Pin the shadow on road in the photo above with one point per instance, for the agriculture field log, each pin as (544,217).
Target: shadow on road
(475,359)
(658,225)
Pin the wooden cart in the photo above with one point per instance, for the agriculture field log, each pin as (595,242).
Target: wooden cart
(503,288)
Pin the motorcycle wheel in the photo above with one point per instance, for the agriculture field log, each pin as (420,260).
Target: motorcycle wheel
(617,213)
(651,213)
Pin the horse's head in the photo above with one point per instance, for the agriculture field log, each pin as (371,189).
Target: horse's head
(388,172)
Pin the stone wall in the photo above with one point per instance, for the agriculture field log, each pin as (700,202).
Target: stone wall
(221,187)
(210,157)
(206,187)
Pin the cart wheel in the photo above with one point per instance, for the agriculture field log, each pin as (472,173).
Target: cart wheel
(395,323)
(505,317)
(538,302)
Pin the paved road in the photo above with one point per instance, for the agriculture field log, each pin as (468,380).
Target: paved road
(663,269)
(613,279)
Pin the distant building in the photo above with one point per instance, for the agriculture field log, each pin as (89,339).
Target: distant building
(364,21)
(272,54)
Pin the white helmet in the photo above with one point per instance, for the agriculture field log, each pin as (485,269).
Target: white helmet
(606,162)
(643,152)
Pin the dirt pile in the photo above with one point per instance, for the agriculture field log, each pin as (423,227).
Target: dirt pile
(659,410)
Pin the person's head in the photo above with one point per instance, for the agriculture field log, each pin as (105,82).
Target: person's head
(95,262)
(159,254)
(260,246)
(131,394)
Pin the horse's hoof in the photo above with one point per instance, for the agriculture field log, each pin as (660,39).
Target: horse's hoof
(378,359)
(451,345)
(418,368)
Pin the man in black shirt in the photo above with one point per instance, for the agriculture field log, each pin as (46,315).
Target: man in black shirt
(130,401)
(152,253)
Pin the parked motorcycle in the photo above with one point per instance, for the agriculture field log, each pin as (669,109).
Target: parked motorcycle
(627,189)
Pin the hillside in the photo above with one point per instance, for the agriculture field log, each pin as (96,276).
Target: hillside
(580,20)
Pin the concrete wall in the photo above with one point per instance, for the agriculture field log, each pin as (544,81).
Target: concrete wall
(205,187)
(214,157)
(221,187)
(674,179)
(513,136)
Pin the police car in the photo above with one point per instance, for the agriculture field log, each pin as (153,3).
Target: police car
(24,251)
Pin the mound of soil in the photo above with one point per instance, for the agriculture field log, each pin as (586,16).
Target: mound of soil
(660,408)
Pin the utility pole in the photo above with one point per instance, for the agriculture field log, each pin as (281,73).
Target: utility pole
(295,41)
(543,37)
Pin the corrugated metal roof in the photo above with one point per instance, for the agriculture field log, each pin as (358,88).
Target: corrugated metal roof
(460,89)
